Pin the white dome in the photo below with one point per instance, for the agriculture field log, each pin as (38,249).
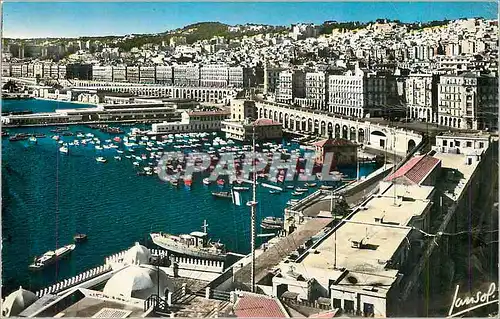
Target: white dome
(136,255)
(138,282)
(17,301)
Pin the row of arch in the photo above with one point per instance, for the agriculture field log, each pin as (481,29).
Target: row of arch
(323,126)
(316,126)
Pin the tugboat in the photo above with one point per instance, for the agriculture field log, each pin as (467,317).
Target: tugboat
(272,223)
(195,244)
(78,238)
(51,257)
(222,194)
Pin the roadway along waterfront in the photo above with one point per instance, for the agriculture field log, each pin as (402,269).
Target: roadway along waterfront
(49,196)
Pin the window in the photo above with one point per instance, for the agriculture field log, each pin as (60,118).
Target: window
(336,303)
(457,143)
(481,144)
(349,305)
(445,143)
(368,309)
(469,144)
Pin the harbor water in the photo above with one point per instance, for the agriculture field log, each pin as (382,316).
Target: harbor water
(48,197)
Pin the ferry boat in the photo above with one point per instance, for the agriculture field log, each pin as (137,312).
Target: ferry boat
(272,223)
(101,159)
(51,256)
(195,244)
(222,194)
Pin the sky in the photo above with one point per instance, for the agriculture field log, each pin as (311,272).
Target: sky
(74,19)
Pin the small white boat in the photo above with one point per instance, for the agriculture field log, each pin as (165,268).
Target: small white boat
(63,149)
(101,159)
(118,158)
(106,147)
(55,137)
(206,181)
(98,147)
(119,151)
(136,163)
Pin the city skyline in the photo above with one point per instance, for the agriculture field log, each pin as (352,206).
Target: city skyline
(20,20)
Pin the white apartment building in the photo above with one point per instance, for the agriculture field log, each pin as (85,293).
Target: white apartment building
(421,97)
(186,75)
(291,85)
(315,91)
(236,76)
(102,73)
(284,92)
(356,93)
(468,101)
(133,75)
(163,74)
(119,74)
(54,71)
(214,75)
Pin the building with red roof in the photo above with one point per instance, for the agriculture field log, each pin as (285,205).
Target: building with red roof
(249,305)
(419,170)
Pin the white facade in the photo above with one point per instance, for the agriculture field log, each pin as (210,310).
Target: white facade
(192,122)
(186,75)
(214,75)
(419,97)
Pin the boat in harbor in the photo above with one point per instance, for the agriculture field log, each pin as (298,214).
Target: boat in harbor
(195,244)
(206,181)
(118,158)
(80,238)
(63,149)
(272,223)
(51,257)
(326,187)
(32,139)
(310,184)
(274,191)
(222,194)
(290,187)
(18,137)
(297,193)
(100,159)
(241,188)
(300,189)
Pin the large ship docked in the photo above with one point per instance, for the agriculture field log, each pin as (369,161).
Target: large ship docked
(196,244)
(51,257)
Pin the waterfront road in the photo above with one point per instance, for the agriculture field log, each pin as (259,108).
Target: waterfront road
(279,251)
